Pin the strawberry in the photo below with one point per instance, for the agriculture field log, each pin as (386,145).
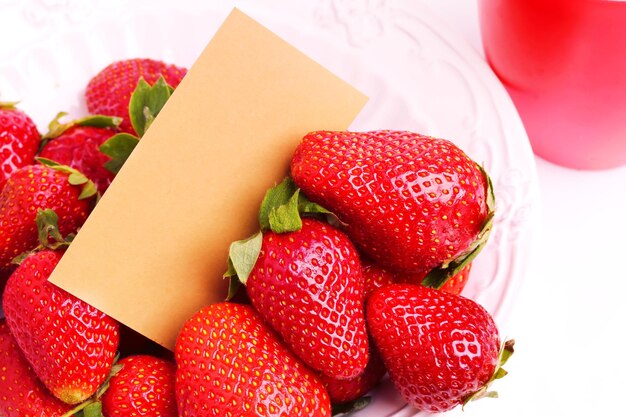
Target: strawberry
(343,391)
(414,204)
(304,278)
(70,345)
(440,349)
(143,387)
(19,140)
(109,91)
(76,144)
(308,286)
(21,393)
(28,190)
(374,277)
(229,363)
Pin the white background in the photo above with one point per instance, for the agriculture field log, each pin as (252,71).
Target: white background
(567,319)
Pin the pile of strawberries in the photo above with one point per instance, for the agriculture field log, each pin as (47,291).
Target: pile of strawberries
(355,272)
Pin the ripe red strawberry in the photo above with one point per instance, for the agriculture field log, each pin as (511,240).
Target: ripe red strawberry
(308,286)
(28,190)
(143,387)
(70,345)
(231,364)
(440,349)
(412,203)
(21,393)
(19,141)
(109,91)
(374,277)
(78,147)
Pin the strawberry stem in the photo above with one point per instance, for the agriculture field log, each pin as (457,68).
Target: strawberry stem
(47,227)
(80,407)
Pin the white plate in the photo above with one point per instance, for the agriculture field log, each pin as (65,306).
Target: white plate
(418,76)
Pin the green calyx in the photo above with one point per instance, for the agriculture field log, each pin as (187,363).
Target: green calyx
(118,148)
(506,351)
(56,128)
(280,212)
(440,275)
(75,177)
(282,207)
(9,105)
(49,235)
(145,104)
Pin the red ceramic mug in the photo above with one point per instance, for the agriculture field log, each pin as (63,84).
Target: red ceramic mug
(564,65)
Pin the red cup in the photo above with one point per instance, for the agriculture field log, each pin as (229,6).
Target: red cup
(564,64)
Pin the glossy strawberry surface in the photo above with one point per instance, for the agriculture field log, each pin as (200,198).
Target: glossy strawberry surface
(19,141)
(70,344)
(77,147)
(230,364)
(308,286)
(438,348)
(109,91)
(143,387)
(410,202)
(33,188)
(375,277)
(21,393)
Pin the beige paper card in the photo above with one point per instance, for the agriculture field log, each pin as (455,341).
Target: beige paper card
(154,249)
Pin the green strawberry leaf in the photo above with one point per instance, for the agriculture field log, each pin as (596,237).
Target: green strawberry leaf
(438,276)
(286,218)
(506,350)
(99,120)
(242,256)
(93,410)
(118,148)
(56,128)
(283,205)
(350,407)
(9,105)
(75,177)
(274,198)
(146,103)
